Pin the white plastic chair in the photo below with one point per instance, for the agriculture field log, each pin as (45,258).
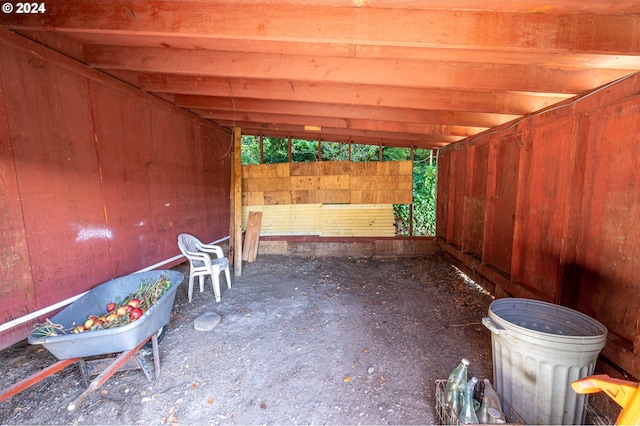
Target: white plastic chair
(203,263)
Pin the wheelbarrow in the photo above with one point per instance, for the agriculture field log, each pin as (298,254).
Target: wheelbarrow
(126,340)
(625,393)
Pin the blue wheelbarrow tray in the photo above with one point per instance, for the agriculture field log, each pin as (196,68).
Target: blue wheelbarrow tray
(111,340)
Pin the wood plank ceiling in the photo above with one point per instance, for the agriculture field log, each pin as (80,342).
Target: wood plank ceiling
(397,72)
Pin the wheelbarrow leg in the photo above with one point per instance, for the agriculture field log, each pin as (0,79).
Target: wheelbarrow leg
(35,378)
(142,363)
(156,354)
(106,374)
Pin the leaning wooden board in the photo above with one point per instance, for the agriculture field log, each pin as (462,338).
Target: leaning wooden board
(252,237)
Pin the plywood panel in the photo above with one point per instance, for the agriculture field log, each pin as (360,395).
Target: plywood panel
(504,160)
(405,168)
(305,196)
(460,184)
(305,182)
(126,158)
(333,196)
(475,201)
(107,175)
(443,192)
(266,184)
(330,182)
(255,199)
(543,193)
(17,296)
(562,206)
(58,176)
(336,168)
(169,187)
(305,169)
(274,197)
(394,196)
(258,171)
(608,243)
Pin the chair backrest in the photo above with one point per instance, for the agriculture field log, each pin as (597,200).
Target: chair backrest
(187,242)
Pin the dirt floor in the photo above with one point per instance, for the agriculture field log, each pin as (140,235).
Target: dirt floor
(301,341)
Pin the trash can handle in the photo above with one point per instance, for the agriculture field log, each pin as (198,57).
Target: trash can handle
(494,328)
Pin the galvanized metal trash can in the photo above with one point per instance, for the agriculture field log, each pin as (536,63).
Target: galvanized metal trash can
(539,349)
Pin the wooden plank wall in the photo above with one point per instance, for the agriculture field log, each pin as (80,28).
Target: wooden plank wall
(328,182)
(97,179)
(549,207)
(328,198)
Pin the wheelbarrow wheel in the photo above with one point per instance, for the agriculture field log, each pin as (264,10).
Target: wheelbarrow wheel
(161,333)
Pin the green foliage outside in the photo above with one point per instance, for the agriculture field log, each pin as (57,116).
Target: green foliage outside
(334,151)
(365,152)
(304,151)
(391,153)
(424,197)
(250,150)
(276,150)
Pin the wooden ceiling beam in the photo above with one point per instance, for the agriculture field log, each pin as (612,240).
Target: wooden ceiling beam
(329,132)
(408,71)
(607,31)
(383,72)
(256,131)
(338,123)
(408,115)
(340,50)
(402,143)
(512,103)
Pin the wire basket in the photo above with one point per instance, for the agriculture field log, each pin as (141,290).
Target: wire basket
(447,417)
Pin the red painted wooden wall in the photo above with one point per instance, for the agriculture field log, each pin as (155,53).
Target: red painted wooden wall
(549,208)
(97,179)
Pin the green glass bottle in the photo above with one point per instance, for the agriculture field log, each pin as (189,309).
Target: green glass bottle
(468,413)
(454,388)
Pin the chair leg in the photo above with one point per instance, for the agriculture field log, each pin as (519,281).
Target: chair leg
(202,283)
(190,287)
(228,276)
(215,277)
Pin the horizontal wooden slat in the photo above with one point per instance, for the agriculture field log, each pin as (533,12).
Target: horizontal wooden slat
(265,170)
(262,184)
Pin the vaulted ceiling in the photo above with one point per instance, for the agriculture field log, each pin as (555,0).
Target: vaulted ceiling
(396,72)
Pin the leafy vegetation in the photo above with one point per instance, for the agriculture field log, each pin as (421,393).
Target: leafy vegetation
(250,151)
(423,209)
(424,198)
(334,151)
(304,151)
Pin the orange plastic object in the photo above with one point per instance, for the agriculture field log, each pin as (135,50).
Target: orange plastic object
(623,392)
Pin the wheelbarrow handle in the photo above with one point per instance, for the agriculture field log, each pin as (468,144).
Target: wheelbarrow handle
(623,392)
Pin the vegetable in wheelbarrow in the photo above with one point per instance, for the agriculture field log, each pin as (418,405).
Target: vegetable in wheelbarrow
(117,314)
(158,302)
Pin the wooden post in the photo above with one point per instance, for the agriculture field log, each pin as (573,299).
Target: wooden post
(235,232)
